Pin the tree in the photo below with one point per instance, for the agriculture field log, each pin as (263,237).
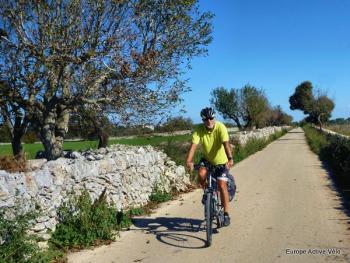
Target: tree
(227,103)
(255,106)
(93,123)
(124,56)
(321,110)
(14,118)
(247,105)
(175,124)
(277,117)
(302,98)
(318,108)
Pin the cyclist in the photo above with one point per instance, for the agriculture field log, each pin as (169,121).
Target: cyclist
(214,138)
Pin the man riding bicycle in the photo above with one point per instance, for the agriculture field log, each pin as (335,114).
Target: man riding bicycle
(214,138)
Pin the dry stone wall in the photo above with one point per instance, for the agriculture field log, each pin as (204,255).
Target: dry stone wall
(243,137)
(129,174)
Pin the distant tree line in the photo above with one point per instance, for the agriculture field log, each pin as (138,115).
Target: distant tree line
(248,107)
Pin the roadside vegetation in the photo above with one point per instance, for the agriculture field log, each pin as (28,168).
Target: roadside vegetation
(334,151)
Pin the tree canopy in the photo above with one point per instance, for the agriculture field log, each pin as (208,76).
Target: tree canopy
(248,107)
(317,106)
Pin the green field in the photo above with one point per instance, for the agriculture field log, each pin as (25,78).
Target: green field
(31,149)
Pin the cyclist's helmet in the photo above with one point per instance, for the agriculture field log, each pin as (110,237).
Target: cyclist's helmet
(207,113)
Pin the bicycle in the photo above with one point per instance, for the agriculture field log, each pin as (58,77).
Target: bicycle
(212,206)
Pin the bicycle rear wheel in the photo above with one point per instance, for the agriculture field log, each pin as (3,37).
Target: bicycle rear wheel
(209,217)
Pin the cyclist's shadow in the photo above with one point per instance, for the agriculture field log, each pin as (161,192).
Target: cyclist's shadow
(174,231)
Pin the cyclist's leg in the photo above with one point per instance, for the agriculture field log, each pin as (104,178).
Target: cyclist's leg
(202,176)
(222,183)
(202,172)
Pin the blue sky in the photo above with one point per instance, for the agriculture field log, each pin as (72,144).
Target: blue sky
(275,45)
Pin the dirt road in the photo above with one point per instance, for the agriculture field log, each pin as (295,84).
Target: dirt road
(284,211)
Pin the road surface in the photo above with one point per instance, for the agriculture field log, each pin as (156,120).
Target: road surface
(284,211)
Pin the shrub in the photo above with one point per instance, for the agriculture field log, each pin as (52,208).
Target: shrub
(82,222)
(16,245)
(159,196)
(337,153)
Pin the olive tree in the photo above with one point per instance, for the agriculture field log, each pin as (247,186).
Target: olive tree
(318,107)
(126,56)
(248,107)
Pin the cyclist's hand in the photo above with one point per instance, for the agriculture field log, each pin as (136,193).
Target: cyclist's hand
(190,166)
(229,164)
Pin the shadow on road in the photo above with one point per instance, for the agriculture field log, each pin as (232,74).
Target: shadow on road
(174,231)
(298,132)
(342,188)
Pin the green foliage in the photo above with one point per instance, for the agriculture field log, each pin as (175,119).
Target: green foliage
(160,196)
(316,139)
(17,246)
(123,220)
(247,105)
(318,107)
(337,154)
(227,103)
(332,149)
(175,124)
(302,98)
(83,222)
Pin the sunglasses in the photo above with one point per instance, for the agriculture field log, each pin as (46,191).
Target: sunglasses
(206,119)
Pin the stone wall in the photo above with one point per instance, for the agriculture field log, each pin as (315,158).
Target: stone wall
(331,132)
(129,174)
(243,137)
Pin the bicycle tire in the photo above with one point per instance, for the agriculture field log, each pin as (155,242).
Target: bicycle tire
(220,213)
(209,218)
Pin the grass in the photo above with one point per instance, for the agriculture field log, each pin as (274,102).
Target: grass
(316,139)
(31,149)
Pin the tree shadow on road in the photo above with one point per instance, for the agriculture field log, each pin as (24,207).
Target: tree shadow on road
(342,189)
(174,231)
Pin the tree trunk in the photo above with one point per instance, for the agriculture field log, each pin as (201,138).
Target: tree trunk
(103,138)
(17,130)
(53,131)
(17,147)
(238,123)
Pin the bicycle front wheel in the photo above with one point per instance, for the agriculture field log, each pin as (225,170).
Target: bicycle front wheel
(209,217)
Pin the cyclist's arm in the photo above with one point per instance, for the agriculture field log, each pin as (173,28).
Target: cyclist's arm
(190,155)
(228,151)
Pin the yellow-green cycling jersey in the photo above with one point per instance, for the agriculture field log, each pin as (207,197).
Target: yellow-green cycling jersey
(212,142)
